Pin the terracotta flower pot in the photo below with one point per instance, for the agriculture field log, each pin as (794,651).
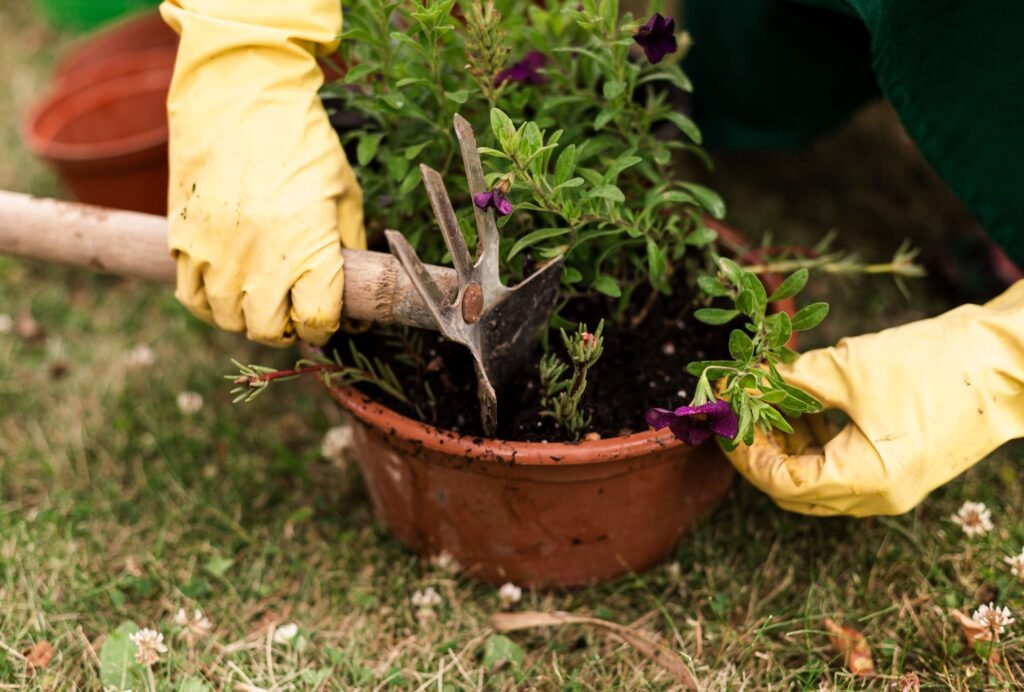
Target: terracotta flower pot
(141,32)
(105,131)
(535,514)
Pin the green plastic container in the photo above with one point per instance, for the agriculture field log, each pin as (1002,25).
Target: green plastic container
(83,15)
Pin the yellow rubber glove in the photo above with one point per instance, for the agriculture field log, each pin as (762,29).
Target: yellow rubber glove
(261,192)
(926,401)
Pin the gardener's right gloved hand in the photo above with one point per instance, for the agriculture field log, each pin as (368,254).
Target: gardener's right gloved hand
(926,401)
(262,197)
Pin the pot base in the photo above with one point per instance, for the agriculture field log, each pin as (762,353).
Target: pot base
(537,515)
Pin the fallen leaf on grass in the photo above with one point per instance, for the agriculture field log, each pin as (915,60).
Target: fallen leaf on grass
(973,630)
(662,655)
(853,646)
(27,327)
(977,634)
(908,682)
(40,655)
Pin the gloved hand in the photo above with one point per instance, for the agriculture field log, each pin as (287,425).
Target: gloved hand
(261,192)
(926,401)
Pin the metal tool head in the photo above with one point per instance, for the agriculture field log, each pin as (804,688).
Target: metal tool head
(495,322)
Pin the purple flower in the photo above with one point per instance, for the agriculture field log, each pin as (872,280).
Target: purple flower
(694,424)
(494,199)
(525,70)
(657,37)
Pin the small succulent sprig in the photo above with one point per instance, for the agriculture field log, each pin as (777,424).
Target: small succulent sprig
(253,380)
(750,382)
(563,395)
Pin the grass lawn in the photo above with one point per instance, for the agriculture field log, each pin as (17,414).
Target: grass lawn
(116,506)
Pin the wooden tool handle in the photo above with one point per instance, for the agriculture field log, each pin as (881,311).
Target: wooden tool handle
(131,244)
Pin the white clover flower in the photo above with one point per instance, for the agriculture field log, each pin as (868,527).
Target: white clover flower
(445,562)
(6,323)
(996,620)
(974,518)
(336,442)
(1016,563)
(197,627)
(508,595)
(285,633)
(190,403)
(673,571)
(149,644)
(141,356)
(425,601)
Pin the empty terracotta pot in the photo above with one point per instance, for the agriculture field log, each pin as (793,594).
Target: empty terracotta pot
(141,32)
(106,135)
(536,514)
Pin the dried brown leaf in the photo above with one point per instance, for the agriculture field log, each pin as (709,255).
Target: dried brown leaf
(27,328)
(908,682)
(853,646)
(659,654)
(973,630)
(40,655)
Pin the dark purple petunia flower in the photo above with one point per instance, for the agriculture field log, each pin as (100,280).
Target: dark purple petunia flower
(525,70)
(657,37)
(694,424)
(494,199)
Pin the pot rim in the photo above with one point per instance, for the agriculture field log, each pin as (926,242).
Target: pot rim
(619,448)
(76,98)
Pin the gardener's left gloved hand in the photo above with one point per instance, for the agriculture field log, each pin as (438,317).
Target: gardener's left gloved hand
(926,402)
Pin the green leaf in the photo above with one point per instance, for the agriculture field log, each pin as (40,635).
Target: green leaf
(414,151)
(612,89)
(533,238)
(565,164)
(218,565)
(357,73)
(715,315)
(793,284)
(745,302)
(697,368)
(570,183)
(731,270)
(780,329)
(741,347)
(701,236)
(500,649)
(809,317)
(750,282)
(708,199)
(687,126)
(711,286)
(746,425)
(607,285)
(605,116)
(773,396)
(620,164)
(571,275)
(657,263)
(409,183)
(502,126)
(118,668)
(367,148)
(487,151)
(460,96)
(609,192)
(408,81)
(776,419)
(194,684)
